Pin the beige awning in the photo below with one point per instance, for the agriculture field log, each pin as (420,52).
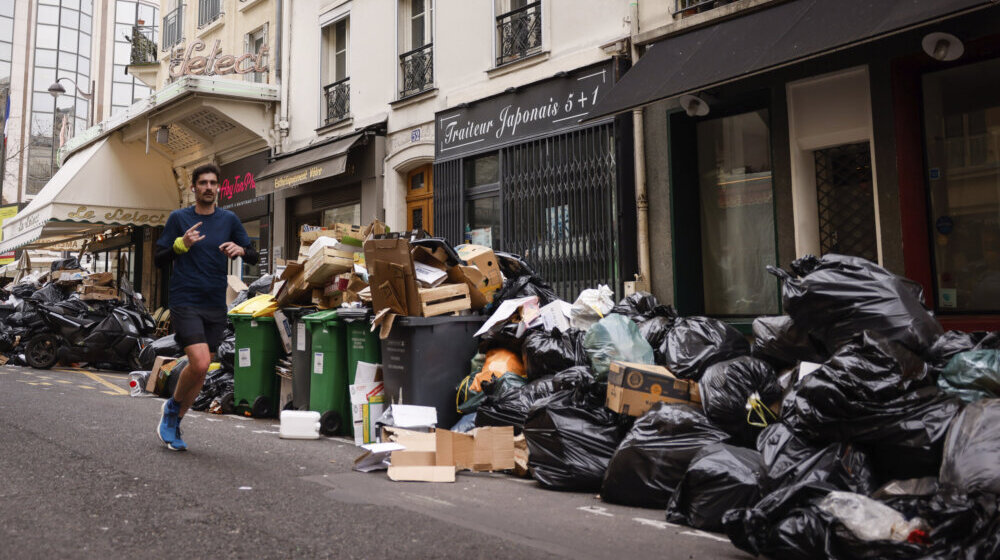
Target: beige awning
(109,183)
(314,164)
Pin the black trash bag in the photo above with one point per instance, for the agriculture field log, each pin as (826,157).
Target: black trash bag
(780,343)
(721,477)
(837,297)
(7,338)
(784,524)
(216,383)
(972,375)
(736,396)
(546,353)
(507,402)
(50,293)
(972,449)
(503,337)
(259,286)
(694,343)
(878,393)
(654,456)
(524,286)
(513,266)
(571,435)
(72,263)
(23,290)
(789,459)
(163,346)
(226,353)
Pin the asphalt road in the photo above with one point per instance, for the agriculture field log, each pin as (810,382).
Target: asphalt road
(82,475)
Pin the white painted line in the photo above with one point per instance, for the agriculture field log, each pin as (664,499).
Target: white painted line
(596,510)
(428,499)
(654,523)
(263,431)
(245,488)
(462,145)
(704,535)
(213,419)
(581,78)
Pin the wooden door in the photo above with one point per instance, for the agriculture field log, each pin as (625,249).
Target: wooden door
(420,199)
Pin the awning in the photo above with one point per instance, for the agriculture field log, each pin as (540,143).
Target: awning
(109,183)
(310,165)
(766,39)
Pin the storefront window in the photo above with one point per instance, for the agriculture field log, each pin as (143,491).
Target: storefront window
(962,122)
(482,225)
(737,215)
(251,272)
(350,214)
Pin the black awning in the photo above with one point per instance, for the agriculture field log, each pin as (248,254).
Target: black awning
(766,39)
(328,160)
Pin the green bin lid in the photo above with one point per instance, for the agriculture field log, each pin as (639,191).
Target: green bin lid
(325,316)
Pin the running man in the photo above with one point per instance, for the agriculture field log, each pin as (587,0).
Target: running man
(198,240)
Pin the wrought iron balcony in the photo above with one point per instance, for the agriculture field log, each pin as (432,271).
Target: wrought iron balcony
(143,41)
(519,33)
(684,8)
(338,101)
(418,70)
(208,11)
(173,28)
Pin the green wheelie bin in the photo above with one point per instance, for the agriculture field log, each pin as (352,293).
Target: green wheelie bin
(328,382)
(255,385)
(362,346)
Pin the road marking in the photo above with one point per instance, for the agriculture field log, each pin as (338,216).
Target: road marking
(86,387)
(704,535)
(44,383)
(263,431)
(112,393)
(596,510)
(117,390)
(428,499)
(654,523)
(64,381)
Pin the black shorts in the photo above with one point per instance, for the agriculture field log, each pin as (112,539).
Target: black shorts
(195,325)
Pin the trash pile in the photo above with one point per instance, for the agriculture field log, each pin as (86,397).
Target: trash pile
(70,315)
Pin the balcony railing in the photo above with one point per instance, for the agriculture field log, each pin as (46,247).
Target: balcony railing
(173,28)
(143,41)
(519,33)
(684,8)
(418,70)
(338,101)
(208,11)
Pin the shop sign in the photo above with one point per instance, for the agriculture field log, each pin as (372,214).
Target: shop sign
(546,107)
(6,212)
(238,183)
(184,62)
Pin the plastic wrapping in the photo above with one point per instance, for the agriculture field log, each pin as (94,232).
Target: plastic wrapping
(784,524)
(780,343)
(571,437)
(972,449)
(499,361)
(868,519)
(694,343)
(654,320)
(650,462)
(972,375)
(547,353)
(736,396)
(591,306)
(50,293)
(507,402)
(876,392)
(71,263)
(226,353)
(720,477)
(836,297)
(504,337)
(789,459)
(615,338)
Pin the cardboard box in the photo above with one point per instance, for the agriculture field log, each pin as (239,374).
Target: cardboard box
(634,388)
(97,293)
(485,260)
(392,278)
(327,263)
(295,288)
(100,279)
(284,327)
(444,300)
(319,299)
(436,456)
(468,275)
(367,402)
(158,375)
(233,288)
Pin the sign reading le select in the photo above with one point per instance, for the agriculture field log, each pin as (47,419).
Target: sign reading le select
(183,62)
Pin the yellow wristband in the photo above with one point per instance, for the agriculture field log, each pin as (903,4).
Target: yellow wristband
(179,247)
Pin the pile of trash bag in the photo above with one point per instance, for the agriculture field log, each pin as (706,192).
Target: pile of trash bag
(972,449)
(972,375)
(507,400)
(615,338)
(720,477)
(694,343)
(546,353)
(737,396)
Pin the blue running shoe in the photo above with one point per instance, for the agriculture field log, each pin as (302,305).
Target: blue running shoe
(169,430)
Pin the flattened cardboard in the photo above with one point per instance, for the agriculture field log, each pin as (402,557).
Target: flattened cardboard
(634,388)
(468,275)
(233,288)
(428,473)
(284,327)
(392,278)
(429,457)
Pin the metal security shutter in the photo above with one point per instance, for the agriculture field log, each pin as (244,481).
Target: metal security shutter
(448,209)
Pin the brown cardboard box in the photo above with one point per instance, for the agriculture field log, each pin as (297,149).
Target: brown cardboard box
(327,263)
(158,375)
(633,388)
(100,279)
(393,281)
(485,260)
(233,288)
(468,275)
(435,456)
(295,288)
(97,293)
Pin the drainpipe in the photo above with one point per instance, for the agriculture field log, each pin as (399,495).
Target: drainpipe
(284,70)
(643,281)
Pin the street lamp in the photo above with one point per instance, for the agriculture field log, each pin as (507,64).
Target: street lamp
(56,89)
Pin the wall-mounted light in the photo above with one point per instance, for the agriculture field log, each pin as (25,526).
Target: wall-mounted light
(694,105)
(942,46)
(163,134)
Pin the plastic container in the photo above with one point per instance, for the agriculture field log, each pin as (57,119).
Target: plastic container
(301,355)
(299,424)
(362,346)
(255,391)
(424,358)
(328,383)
